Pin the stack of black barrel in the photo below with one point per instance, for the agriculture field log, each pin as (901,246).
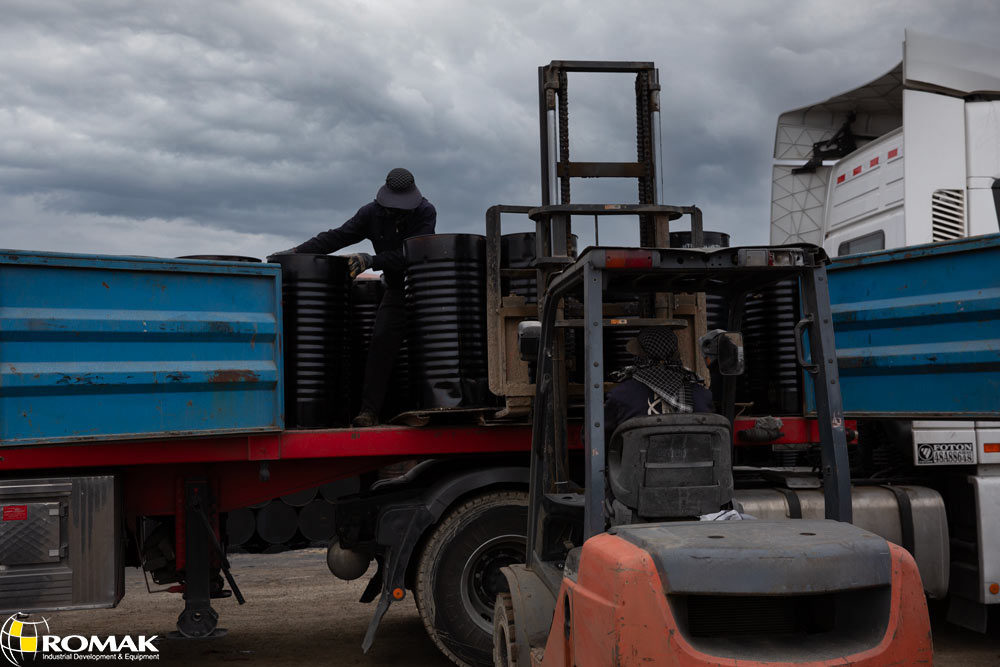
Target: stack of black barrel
(328,323)
(295,520)
(329,320)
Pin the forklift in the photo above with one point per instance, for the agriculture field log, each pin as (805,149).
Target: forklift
(619,570)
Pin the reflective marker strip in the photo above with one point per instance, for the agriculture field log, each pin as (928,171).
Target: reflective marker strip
(857,170)
(874,162)
(893,153)
(840,179)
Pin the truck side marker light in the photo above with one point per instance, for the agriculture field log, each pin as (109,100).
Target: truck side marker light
(992,447)
(628,259)
(994,588)
(874,162)
(857,170)
(893,153)
(841,178)
(398,593)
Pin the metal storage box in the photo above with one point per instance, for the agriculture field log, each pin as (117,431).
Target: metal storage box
(917,331)
(99,347)
(60,544)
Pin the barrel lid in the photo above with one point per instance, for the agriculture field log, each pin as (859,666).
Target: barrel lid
(310,265)
(445,246)
(367,288)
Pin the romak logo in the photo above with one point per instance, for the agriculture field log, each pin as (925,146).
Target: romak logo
(23,642)
(21,639)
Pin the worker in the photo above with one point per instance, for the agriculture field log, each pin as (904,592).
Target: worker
(656,384)
(399,212)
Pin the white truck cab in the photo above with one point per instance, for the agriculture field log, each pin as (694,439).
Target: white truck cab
(912,157)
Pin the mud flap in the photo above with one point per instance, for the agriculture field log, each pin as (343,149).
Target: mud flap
(399,530)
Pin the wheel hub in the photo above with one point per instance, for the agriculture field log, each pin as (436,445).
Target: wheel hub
(482,579)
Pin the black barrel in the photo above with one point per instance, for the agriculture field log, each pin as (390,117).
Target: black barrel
(240,526)
(277,522)
(446,304)
(315,296)
(300,498)
(222,258)
(711,239)
(616,357)
(316,521)
(366,295)
(342,487)
(397,398)
(716,306)
(773,377)
(517,251)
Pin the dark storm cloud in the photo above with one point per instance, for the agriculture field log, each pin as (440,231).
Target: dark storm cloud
(247,118)
(256,124)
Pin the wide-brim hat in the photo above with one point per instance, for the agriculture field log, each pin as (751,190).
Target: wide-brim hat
(399,191)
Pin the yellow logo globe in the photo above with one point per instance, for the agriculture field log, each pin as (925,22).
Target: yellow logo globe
(21,639)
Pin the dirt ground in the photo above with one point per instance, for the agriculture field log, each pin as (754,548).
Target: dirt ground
(298,614)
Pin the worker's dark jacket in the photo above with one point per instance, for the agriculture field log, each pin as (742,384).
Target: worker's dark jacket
(385,229)
(631,398)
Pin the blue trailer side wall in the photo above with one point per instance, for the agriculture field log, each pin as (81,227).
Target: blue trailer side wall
(918,330)
(99,347)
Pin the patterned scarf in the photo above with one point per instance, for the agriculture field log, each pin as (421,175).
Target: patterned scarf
(660,369)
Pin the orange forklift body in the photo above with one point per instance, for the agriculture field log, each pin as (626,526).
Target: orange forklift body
(617,613)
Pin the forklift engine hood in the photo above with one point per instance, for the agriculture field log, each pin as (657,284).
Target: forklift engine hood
(762,557)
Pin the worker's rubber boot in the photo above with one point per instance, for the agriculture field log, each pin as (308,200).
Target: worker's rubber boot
(365,419)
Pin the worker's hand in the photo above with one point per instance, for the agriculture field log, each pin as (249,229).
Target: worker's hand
(358,263)
(290,251)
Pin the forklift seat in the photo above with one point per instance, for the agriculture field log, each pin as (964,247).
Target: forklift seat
(671,467)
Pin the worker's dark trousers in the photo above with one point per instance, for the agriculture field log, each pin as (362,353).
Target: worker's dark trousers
(387,336)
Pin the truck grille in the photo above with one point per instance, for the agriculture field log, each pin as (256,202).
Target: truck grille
(947,215)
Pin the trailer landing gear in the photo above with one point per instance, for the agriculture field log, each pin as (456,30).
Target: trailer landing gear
(199,620)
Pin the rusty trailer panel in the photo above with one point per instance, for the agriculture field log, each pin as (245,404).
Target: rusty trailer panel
(101,348)
(918,330)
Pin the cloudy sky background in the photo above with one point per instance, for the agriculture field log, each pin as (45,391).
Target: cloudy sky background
(172,128)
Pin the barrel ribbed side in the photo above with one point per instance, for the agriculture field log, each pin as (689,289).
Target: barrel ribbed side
(446,304)
(316,300)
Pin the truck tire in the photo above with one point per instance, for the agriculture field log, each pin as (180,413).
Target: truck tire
(458,575)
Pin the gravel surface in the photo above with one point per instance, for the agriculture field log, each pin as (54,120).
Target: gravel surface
(297,613)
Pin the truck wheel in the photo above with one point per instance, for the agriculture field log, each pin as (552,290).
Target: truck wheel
(458,574)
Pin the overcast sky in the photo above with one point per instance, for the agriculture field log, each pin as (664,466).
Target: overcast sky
(171,128)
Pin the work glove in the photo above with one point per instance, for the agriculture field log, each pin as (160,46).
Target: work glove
(358,263)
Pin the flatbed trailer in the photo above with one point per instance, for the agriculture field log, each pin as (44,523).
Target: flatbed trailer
(255,468)
(141,399)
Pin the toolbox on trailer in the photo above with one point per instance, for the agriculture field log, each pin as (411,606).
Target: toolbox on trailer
(60,543)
